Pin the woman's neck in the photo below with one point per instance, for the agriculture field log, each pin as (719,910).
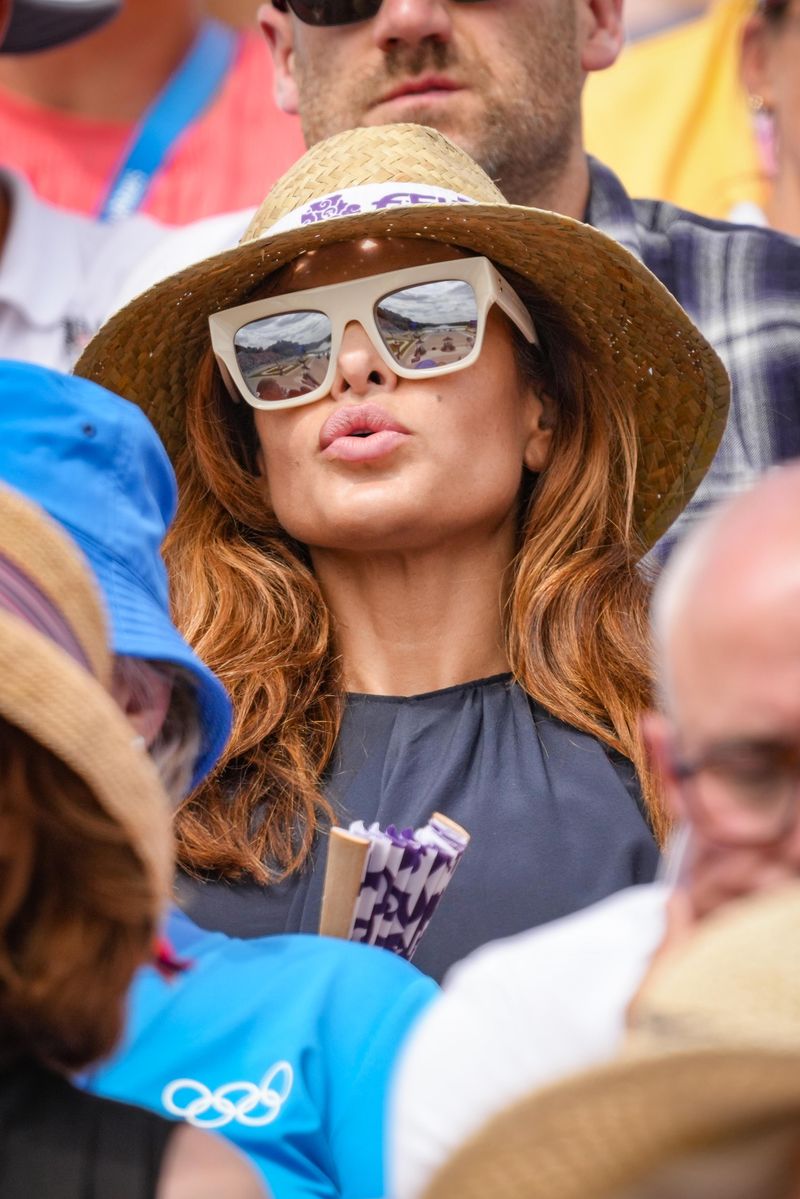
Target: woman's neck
(407,623)
(112,74)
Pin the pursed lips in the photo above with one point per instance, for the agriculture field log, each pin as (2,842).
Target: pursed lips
(360,432)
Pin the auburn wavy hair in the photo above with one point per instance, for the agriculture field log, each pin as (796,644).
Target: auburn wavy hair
(245,596)
(77,913)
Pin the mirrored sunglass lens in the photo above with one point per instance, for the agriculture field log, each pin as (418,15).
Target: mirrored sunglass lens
(334,12)
(285,356)
(430,325)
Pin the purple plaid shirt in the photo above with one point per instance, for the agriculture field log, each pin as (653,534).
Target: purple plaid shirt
(741,287)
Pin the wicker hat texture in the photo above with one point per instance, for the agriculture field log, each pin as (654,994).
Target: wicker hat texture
(714,1051)
(410,181)
(42,24)
(55,666)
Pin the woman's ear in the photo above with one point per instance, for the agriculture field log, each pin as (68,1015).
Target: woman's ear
(540,432)
(754,63)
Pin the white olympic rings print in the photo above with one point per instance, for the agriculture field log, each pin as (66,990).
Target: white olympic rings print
(271,1094)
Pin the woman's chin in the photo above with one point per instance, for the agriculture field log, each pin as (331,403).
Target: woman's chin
(372,533)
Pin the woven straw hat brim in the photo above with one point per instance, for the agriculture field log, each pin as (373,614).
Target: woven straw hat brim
(597,1133)
(38,547)
(60,704)
(53,699)
(149,351)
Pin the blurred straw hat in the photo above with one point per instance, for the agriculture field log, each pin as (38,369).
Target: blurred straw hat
(55,667)
(714,1051)
(409,181)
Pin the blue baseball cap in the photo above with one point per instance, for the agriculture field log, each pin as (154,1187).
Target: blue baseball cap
(96,464)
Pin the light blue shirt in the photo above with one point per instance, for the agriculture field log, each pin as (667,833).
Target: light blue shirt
(283,1044)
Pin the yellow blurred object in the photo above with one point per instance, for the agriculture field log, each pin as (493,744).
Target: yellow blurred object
(671,117)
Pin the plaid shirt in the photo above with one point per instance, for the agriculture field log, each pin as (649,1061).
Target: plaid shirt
(741,287)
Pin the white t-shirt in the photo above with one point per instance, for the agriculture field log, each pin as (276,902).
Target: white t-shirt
(516,1015)
(59,271)
(178,248)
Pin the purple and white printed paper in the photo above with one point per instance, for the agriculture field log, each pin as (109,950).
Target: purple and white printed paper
(406,873)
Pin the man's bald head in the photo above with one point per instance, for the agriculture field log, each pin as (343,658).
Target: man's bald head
(729,600)
(726,618)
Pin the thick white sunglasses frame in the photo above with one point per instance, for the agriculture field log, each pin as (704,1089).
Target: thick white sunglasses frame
(356,301)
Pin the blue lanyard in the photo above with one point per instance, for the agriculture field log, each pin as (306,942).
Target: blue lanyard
(183,98)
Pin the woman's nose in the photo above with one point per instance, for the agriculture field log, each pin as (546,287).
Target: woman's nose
(359,366)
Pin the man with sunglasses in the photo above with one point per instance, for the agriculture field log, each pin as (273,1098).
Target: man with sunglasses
(503,79)
(522,1012)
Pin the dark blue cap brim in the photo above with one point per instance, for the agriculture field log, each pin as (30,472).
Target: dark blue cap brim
(43,24)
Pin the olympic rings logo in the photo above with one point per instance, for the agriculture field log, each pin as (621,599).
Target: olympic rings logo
(271,1094)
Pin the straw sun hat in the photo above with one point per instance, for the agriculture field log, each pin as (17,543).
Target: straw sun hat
(714,1054)
(54,670)
(409,181)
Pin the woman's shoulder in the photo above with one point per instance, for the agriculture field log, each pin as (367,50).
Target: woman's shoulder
(288,996)
(321,974)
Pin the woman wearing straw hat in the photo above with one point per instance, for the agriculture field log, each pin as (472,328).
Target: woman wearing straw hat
(418,573)
(85,865)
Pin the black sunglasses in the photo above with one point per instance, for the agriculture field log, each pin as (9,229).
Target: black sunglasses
(334,12)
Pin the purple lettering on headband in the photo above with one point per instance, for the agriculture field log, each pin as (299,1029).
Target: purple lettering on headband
(406,199)
(330,207)
(327,208)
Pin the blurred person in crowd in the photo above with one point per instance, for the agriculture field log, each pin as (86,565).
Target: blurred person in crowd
(727,744)
(702,1101)
(695,144)
(771,74)
(85,867)
(418,574)
(504,81)
(236,12)
(643,18)
(284,1044)
(58,271)
(726,150)
(155,112)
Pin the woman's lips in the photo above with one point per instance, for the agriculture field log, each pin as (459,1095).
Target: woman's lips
(360,433)
(365,449)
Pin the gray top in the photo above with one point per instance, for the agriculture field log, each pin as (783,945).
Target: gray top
(556,819)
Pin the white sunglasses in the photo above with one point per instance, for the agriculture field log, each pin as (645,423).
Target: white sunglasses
(281,352)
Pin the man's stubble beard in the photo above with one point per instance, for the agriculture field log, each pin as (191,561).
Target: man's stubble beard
(522,133)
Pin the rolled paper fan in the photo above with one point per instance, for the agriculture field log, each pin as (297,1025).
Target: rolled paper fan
(381,888)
